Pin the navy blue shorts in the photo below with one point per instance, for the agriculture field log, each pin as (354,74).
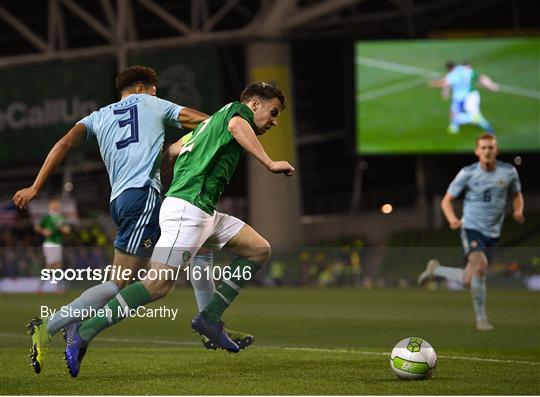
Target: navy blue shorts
(472,240)
(136,213)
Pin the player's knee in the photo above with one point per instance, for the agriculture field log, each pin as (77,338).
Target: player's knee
(479,262)
(481,269)
(261,253)
(266,252)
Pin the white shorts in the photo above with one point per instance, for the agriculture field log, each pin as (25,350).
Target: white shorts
(185,228)
(472,103)
(52,253)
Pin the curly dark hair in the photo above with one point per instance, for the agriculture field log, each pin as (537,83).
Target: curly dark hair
(134,75)
(264,91)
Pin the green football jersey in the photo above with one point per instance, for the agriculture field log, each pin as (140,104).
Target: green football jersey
(474,81)
(53,223)
(208,159)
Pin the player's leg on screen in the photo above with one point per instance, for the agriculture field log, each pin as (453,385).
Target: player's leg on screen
(453,128)
(129,298)
(204,287)
(475,279)
(253,252)
(463,118)
(483,123)
(472,107)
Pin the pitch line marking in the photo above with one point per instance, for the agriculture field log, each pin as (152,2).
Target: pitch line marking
(308,349)
(391,89)
(416,71)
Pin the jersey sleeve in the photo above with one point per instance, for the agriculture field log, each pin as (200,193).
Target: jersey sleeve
(169,112)
(515,183)
(90,122)
(459,183)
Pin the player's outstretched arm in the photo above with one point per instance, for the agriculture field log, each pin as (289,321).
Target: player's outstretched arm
(75,137)
(487,83)
(439,83)
(191,118)
(169,157)
(245,136)
(518,204)
(449,213)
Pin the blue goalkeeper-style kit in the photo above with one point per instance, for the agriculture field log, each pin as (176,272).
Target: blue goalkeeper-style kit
(484,203)
(130,135)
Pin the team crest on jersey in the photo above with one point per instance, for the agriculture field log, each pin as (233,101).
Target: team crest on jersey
(147,243)
(186,255)
(474,244)
(500,183)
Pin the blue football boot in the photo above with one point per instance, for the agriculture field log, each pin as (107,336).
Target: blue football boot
(215,332)
(75,349)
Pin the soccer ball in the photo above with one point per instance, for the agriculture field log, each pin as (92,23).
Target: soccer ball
(413,358)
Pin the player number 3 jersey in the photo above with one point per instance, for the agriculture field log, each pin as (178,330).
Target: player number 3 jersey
(130,136)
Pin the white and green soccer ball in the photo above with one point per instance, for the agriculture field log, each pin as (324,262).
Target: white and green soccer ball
(413,358)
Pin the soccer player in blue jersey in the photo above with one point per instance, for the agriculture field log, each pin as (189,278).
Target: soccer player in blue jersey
(486,184)
(462,80)
(130,135)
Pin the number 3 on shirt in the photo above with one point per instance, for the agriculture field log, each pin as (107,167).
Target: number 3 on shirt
(133,123)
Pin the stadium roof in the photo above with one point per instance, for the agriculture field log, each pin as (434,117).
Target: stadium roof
(34,31)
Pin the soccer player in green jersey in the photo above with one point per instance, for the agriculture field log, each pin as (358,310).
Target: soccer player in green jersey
(464,81)
(52,226)
(188,219)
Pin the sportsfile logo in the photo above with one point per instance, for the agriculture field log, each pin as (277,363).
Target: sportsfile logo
(120,273)
(107,273)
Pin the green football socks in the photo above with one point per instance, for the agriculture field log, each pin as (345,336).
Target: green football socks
(242,271)
(131,297)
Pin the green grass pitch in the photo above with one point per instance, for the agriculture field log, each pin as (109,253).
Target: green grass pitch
(308,341)
(396,111)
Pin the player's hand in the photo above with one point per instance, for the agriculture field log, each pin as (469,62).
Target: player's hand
(24,196)
(66,229)
(518,217)
(281,167)
(455,224)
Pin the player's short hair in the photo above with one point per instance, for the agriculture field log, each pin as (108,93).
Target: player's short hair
(134,75)
(450,65)
(264,91)
(485,136)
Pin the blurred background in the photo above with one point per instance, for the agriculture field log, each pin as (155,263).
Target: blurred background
(364,130)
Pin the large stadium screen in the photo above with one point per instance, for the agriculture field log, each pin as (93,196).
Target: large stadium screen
(401,108)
